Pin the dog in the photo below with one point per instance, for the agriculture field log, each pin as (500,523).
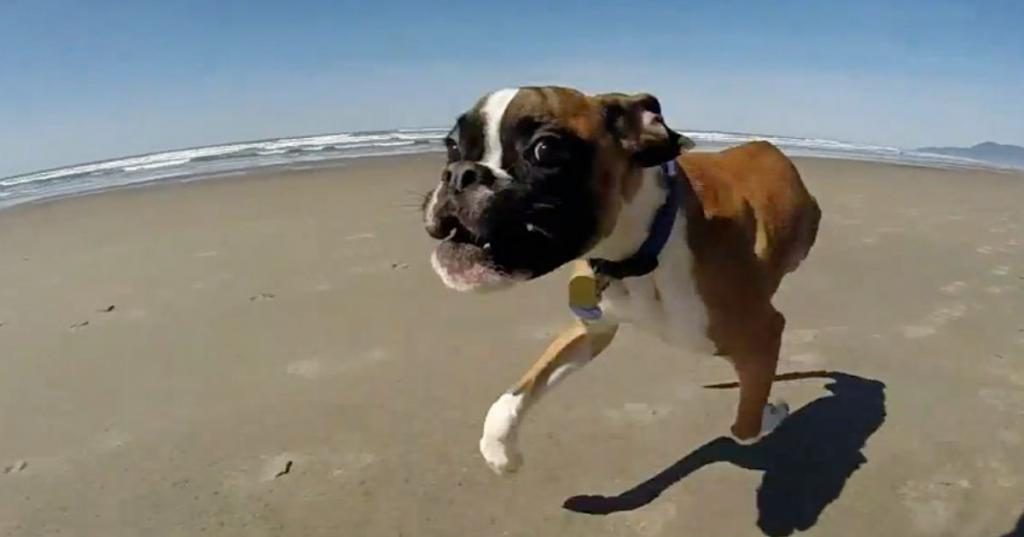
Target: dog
(690,245)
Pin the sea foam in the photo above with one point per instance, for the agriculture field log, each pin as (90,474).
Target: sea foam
(304,150)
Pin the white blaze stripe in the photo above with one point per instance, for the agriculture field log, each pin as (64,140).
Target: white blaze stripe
(493,110)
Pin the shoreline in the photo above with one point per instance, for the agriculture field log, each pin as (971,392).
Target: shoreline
(344,162)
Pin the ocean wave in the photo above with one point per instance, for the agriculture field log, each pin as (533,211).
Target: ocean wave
(790,141)
(225,158)
(155,165)
(340,142)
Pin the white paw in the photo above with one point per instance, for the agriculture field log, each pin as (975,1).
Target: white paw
(503,457)
(773,415)
(498,442)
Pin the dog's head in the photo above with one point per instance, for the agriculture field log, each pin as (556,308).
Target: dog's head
(536,177)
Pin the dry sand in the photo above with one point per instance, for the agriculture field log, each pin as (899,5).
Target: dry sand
(281,361)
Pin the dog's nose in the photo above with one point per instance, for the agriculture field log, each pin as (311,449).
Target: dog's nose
(460,175)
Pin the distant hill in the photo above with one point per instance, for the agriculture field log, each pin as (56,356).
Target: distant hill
(991,152)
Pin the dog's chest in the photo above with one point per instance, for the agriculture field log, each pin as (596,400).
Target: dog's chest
(665,302)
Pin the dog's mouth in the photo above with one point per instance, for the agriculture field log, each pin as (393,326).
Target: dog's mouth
(511,236)
(465,261)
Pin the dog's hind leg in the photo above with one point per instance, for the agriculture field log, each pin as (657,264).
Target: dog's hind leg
(755,365)
(573,349)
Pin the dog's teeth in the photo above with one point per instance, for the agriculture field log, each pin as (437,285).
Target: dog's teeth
(451,234)
(487,246)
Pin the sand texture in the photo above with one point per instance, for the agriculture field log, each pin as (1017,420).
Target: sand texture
(271,355)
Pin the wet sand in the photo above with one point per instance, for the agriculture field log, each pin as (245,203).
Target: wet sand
(281,361)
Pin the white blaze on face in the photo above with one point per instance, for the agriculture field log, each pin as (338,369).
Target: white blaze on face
(464,266)
(493,110)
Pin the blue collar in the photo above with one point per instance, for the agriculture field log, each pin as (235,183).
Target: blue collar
(645,259)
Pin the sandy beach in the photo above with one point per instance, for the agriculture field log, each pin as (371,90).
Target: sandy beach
(271,355)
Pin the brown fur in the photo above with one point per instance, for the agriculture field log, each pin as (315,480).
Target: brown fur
(750,221)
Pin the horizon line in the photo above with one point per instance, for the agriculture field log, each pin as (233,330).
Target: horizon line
(428,127)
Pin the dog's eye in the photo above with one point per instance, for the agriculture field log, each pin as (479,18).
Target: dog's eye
(454,154)
(548,151)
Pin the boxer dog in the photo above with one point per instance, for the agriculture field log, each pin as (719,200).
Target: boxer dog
(538,177)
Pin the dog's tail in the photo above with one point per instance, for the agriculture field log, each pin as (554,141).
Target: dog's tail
(796,375)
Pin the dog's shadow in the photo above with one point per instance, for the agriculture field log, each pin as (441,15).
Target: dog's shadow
(806,460)
(1018,530)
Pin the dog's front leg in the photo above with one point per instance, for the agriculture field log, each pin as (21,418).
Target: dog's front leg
(573,349)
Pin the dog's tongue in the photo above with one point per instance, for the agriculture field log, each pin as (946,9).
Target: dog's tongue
(464,267)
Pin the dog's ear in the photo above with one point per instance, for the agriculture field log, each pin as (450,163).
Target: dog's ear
(635,121)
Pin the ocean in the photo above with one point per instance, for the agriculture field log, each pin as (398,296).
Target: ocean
(228,159)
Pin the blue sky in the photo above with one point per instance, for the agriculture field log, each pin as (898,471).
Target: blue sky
(91,79)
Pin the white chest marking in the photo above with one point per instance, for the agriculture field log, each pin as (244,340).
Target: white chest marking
(493,110)
(665,302)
